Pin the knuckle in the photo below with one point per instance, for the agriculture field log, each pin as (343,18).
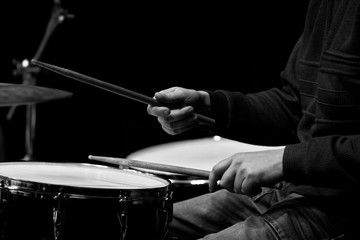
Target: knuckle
(148,109)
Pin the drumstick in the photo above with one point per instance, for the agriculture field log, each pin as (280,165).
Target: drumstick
(112,88)
(153,166)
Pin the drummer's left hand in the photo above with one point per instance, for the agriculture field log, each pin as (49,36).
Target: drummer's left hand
(246,173)
(181,119)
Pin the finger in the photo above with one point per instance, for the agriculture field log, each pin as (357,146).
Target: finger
(217,173)
(228,179)
(175,127)
(182,113)
(250,187)
(158,111)
(177,115)
(238,183)
(182,128)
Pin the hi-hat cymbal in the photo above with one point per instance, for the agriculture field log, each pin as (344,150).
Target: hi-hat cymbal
(19,94)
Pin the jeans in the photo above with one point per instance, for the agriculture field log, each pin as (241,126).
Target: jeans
(273,214)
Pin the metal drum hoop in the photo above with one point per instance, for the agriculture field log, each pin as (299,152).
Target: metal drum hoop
(20,187)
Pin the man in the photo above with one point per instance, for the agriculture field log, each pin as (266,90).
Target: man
(306,190)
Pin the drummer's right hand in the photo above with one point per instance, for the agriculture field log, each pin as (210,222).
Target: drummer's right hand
(178,119)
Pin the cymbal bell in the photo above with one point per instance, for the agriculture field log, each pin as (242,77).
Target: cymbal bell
(20,94)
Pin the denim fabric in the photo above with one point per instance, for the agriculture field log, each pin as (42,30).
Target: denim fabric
(273,214)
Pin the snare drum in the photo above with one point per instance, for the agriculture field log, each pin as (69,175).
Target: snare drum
(201,153)
(66,201)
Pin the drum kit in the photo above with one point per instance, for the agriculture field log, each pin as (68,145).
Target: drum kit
(66,201)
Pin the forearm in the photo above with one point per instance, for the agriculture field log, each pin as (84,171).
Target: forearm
(268,118)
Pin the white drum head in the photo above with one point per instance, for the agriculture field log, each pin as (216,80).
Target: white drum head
(79,175)
(201,153)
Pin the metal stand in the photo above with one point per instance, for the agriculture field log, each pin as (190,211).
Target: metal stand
(28,74)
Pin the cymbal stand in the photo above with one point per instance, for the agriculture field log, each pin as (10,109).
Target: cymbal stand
(28,74)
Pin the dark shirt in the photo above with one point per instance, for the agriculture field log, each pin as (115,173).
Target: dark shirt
(316,113)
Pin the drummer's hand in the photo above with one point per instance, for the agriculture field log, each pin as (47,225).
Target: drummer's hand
(246,173)
(181,119)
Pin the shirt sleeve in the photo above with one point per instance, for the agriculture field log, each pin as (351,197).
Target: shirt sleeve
(330,161)
(269,117)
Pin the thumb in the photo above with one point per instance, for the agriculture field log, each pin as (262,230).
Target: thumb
(170,96)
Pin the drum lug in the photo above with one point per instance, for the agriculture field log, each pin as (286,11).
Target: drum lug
(123,218)
(58,216)
(165,213)
(4,195)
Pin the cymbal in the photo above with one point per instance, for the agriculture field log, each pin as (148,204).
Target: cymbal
(19,94)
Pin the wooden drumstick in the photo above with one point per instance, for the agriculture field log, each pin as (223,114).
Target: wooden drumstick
(161,167)
(112,88)
(152,166)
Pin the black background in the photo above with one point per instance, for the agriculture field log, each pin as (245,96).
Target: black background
(145,47)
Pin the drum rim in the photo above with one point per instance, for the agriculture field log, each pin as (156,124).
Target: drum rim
(46,190)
